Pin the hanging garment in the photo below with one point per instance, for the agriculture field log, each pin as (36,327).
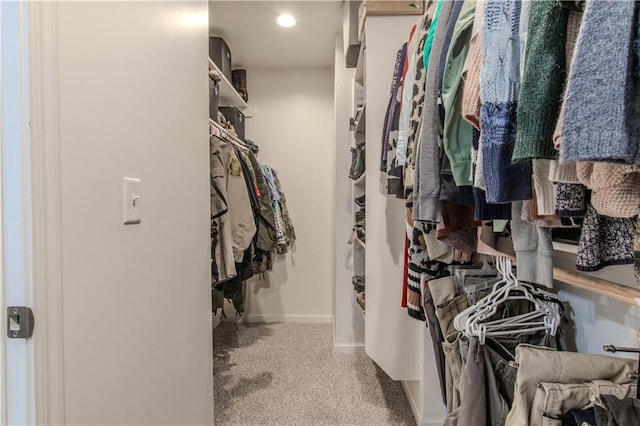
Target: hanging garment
(289,230)
(553,400)
(266,234)
(536,364)
(574,20)
(393,170)
(406,105)
(471,71)
(618,412)
(222,234)
(604,241)
(458,133)
(243,226)
(275,203)
(601,119)
(534,251)
(413,92)
(615,187)
(450,26)
(426,179)
(500,81)
(390,114)
(540,94)
(419,94)
(544,188)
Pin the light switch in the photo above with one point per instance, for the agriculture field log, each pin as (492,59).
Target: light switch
(131,200)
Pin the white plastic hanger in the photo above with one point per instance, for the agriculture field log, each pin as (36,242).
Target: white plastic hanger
(544,316)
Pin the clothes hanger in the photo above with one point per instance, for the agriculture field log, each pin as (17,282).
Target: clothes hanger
(546,309)
(544,316)
(459,322)
(219,132)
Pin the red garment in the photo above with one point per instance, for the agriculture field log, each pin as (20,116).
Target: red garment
(405,275)
(406,63)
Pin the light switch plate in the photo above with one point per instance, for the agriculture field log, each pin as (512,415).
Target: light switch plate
(131,200)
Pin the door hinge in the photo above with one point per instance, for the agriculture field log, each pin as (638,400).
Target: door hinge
(20,322)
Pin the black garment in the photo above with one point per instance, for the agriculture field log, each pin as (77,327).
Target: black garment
(449,191)
(618,412)
(235,288)
(436,338)
(575,417)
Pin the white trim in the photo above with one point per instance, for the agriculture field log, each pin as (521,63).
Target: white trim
(349,348)
(412,402)
(47,214)
(323,319)
(3,361)
(414,408)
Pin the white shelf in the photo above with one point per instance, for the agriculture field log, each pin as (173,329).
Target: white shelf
(228,94)
(564,247)
(361,180)
(359,75)
(360,120)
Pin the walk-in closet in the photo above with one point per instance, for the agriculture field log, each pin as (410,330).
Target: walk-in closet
(320,212)
(480,229)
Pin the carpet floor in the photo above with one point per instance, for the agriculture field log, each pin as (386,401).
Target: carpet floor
(288,375)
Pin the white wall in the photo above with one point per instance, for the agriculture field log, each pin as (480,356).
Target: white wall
(600,320)
(293,125)
(137,318)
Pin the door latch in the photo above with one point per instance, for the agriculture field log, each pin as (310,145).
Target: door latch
(20,322)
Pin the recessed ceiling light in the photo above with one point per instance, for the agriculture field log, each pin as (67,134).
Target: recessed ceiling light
(286,20)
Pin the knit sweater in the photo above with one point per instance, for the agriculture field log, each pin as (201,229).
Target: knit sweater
(426,179)
(541,91)
(500,81)
(414,85)
(450,25)
(534,251)
(432,11)
(471,71)
(601,120)
(458,133)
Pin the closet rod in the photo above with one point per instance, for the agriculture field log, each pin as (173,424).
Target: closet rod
(597,285)
(228,135)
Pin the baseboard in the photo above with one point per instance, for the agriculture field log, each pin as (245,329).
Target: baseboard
(317,319)
(349,348)
(412,402)
(414,408)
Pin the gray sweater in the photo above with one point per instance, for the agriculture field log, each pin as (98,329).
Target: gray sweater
(426,179)
(601,114)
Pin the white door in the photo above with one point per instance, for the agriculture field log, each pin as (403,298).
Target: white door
(123,330)
(16,355)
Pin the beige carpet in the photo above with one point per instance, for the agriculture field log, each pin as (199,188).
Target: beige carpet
(288,374)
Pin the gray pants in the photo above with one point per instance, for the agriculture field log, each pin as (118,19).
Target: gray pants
(486,378)
(552,400)
(537,364)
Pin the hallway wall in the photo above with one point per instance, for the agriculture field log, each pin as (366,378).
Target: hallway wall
(136,298)
(293,126)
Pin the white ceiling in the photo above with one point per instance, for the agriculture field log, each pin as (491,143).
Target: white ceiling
(249,27)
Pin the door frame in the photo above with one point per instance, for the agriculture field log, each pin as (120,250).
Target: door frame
(48,338)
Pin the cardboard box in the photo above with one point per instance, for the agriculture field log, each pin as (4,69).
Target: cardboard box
(393,7)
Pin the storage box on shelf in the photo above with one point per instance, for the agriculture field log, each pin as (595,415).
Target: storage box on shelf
(228,96)
(387,8)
